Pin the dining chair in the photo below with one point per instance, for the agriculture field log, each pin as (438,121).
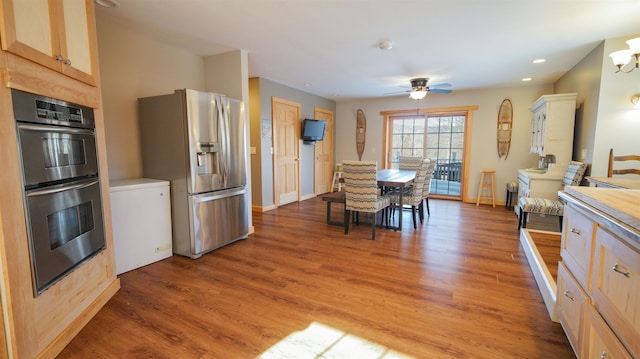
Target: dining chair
(619,171)
(426,189)
(361,192)
(572,177)
(409,163)
(413,195)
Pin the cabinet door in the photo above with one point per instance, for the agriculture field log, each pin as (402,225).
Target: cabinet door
(571,306)
(27,31)
(615,286)
(58,34)
(599,340)
(577,242)
(78,40)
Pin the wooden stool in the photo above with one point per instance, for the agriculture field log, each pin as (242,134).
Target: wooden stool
(487,185)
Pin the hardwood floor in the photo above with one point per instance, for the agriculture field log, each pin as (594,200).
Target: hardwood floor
(457,287)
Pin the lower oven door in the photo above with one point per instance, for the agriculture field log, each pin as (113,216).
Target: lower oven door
(65,228)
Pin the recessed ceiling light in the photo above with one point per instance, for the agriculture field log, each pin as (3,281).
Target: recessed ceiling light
(526,79)
(107,3)
(385,45)
(308,84)
(539,61)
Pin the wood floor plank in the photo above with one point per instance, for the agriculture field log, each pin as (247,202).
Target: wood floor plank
(457,287)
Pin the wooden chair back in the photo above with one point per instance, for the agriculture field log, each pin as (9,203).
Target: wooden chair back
(620,171)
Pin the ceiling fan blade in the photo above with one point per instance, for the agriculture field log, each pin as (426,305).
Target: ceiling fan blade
(396,92)
(439,90)
(437,86)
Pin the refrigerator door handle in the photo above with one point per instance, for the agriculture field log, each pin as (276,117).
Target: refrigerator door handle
(223,118)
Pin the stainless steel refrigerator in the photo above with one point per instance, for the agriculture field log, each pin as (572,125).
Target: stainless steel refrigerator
(197,141)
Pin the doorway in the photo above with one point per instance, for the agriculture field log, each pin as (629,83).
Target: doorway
(323,154)
(286,149)
(439,134)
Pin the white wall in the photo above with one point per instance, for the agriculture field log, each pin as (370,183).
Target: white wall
(483,152)
(133,66)
(618,124)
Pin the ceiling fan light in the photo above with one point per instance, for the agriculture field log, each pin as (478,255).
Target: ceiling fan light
(634,46)
(418,95)
(620,58)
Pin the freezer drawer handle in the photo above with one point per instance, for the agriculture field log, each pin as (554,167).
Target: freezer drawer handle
(218,196)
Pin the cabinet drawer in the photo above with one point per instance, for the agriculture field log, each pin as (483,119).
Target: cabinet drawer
(577,243)
(600,341)
(570,306)
(615,287)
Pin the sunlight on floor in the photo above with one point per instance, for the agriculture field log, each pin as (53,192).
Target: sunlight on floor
(323,342)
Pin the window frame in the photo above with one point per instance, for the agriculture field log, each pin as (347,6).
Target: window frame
(466,111)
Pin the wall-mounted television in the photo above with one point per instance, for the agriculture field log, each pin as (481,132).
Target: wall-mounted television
(313,130)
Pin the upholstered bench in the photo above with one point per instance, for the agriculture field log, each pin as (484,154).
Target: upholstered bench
(512,188)
(540,206)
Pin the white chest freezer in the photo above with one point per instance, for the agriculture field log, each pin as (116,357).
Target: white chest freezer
(141,214)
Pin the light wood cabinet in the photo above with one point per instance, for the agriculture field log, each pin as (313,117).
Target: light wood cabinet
(599,280)
(30,32)
(576,247)
(571,306)
(615,286)
(600,341)
(57,34)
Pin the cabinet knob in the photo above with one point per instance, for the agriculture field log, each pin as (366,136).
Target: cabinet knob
(67,62)
(59,58)
(604,354)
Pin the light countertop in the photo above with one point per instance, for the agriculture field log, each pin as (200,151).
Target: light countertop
(621,204)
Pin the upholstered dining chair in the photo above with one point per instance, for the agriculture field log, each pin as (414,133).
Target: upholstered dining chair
(409,163)
(554,207)
(619,171)
(413,195)
(361,192)
(426,189)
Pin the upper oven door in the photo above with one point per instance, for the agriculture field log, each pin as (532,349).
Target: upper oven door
(52,153)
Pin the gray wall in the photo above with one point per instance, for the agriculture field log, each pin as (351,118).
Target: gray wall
(266,89)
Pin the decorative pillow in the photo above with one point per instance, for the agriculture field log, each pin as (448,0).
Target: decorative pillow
(574,173)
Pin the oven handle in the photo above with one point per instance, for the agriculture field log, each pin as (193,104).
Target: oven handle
(43,192)
(42,128)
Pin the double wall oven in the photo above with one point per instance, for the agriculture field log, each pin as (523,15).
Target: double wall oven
(57,149)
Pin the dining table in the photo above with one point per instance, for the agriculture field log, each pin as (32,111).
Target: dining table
(390,179)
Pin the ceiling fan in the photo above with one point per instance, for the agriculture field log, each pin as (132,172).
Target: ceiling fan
(419,88)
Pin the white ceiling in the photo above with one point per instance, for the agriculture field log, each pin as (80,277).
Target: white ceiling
(330,47)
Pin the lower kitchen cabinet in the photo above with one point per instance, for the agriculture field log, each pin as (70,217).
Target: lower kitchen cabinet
(571,304)
(600,341)
(598,279)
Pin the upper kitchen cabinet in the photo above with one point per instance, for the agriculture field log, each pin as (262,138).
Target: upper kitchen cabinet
(58,34)
(552,125)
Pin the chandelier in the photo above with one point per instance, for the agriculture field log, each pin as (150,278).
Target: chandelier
(622,57)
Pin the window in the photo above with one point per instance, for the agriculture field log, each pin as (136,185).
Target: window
(438,135)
